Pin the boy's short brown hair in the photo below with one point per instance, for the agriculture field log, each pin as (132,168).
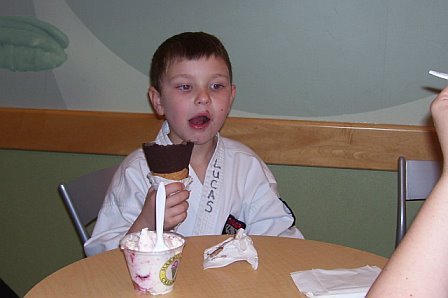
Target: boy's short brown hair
(187,45)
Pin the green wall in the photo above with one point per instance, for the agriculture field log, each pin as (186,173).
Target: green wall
(351,207)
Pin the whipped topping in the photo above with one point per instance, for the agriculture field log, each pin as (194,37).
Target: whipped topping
(145,243)
(146,240)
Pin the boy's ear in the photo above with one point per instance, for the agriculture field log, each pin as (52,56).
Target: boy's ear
(233,92)
(233,95)
(156,102)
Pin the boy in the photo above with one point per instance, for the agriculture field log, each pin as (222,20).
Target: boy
(191,86)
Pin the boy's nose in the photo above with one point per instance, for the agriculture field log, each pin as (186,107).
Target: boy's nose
(203,97)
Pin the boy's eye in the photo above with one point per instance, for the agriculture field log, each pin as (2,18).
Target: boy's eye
(217,86)
(183,87)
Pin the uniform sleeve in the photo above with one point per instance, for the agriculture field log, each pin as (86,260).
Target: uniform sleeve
(123,203)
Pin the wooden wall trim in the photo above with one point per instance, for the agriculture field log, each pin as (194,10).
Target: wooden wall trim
(286,142)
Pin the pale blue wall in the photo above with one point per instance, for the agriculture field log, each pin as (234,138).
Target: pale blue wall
(333,60)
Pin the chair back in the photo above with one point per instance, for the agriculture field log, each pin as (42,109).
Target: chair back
(416,179)
(84,196)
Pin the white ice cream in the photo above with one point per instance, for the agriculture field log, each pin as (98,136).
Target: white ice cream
(146,239)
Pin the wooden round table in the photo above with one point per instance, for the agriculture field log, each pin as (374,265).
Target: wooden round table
(106,274)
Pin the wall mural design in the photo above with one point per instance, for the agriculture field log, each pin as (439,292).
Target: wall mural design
(27,44)
(348,61)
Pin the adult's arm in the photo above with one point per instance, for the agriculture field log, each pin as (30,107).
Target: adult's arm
(419,266)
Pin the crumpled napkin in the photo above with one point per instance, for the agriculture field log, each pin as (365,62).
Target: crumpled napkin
(237,248)
(337,282)
(155,181)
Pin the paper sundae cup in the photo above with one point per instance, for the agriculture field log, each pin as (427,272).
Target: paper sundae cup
(152,272)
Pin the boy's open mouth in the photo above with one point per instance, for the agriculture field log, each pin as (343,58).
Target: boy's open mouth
(199,120)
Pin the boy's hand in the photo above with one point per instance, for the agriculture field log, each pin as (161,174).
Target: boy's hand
(176,205)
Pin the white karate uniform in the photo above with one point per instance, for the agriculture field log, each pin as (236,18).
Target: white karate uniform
(237,183)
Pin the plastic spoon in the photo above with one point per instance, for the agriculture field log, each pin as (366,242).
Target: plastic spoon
(160,217)
(439,74)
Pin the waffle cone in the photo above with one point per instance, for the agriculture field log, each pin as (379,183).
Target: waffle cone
(179,175)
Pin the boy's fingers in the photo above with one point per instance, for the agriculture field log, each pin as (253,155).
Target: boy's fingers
(177,198)
(176,214)
(173,188)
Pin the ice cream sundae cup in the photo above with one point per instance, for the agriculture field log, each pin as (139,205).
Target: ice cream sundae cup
(152,272)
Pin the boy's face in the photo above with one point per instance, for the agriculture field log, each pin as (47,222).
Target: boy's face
(195,97)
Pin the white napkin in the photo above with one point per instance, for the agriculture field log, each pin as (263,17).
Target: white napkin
(237,248)
(155,181)
(337,282)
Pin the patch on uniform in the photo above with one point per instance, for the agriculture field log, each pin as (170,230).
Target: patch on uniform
(232,225)
(288,210)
